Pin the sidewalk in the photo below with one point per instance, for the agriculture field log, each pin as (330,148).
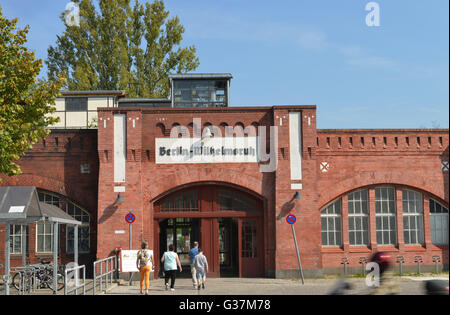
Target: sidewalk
(242,286)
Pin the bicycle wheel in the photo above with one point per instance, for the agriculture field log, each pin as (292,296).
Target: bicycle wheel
(60,282)
(15,281)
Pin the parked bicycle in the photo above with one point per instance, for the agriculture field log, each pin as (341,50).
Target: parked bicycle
(41,274)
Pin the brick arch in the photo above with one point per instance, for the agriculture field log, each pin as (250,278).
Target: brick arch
(186,177)
(355,183)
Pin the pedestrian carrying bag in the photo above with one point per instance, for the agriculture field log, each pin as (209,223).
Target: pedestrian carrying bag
(143,258)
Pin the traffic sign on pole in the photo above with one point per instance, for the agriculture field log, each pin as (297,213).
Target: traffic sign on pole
(291,219)
(130,218)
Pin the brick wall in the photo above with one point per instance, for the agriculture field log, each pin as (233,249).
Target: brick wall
(53,165)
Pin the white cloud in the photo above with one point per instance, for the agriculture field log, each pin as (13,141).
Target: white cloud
(370,62)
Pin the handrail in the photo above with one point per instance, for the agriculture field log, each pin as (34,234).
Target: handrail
(77,286)
(110,271)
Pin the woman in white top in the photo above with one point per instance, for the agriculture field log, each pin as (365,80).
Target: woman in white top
(144,258)
(170,260)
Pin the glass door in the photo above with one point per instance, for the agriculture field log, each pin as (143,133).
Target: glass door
(228,247)
(181,233)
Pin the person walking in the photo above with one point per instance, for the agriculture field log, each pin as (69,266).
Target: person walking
(192,253)
(143,263)
(170,260)
(201,268)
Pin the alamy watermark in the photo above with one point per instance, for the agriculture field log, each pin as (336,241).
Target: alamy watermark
(373,277)
(72,14)
(373,18)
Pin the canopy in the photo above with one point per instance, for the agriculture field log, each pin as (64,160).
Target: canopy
(20,205)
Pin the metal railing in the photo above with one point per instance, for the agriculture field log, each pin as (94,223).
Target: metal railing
(108,269)
(77,283)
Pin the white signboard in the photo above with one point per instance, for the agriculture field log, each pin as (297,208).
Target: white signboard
(206,150)
(128,259)
(16,209)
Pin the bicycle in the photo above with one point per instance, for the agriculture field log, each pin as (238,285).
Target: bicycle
(42,273)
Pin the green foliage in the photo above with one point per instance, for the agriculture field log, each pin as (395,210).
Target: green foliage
(24,100)
(122,47)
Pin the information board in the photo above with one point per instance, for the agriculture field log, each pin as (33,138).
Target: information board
(128,260)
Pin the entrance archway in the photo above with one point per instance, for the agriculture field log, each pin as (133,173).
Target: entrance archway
(227,221)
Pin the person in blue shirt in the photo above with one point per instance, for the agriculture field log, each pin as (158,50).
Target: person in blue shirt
(192,253)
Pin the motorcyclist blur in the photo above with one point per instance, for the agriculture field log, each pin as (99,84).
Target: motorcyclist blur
(387,283)
(381,278)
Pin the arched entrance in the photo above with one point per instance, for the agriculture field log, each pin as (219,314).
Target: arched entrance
(227,222)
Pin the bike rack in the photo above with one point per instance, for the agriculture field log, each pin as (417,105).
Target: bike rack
(363,261)
(418,260)
(26,272)
(400,260)
(77,286)
(345,262)
(108,273)
(437,260)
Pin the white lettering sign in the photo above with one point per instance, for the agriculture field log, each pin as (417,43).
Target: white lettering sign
(206,150)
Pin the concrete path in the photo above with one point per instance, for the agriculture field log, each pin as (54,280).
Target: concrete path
(236,286)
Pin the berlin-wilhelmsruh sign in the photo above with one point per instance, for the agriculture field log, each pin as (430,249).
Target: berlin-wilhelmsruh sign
(209,150)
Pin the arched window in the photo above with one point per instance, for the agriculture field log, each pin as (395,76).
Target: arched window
(181,202)
(385,213)
(234,200)
(358,218)
(83,230)
(438,223)
(44,231)
(412,217)
(331,224)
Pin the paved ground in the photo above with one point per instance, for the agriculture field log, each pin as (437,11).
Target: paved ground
(235,286)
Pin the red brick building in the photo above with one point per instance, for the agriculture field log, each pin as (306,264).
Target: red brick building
(361,190)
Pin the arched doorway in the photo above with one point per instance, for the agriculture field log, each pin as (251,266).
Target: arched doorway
(227,221)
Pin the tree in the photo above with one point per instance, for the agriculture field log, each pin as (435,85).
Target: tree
(24,100)
(121,47)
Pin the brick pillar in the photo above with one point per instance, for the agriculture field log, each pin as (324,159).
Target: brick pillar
(372,220)
(399,219)
(426,222)
(344,216)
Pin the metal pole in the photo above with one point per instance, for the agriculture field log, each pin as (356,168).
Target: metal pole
(23,245)
(95,276)
(75,255)
(7,258)
(55,256)
(131,247)
(298,254)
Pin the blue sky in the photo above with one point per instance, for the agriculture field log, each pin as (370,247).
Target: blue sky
(298,52)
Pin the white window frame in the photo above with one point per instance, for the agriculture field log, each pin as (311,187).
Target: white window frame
(415,214)
(390,215)
(83,224)
(44,224)
(337,229)
(14,235)
(53,200)
(359,216)
(444,228)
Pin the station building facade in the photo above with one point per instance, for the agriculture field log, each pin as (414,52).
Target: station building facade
(191,168)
